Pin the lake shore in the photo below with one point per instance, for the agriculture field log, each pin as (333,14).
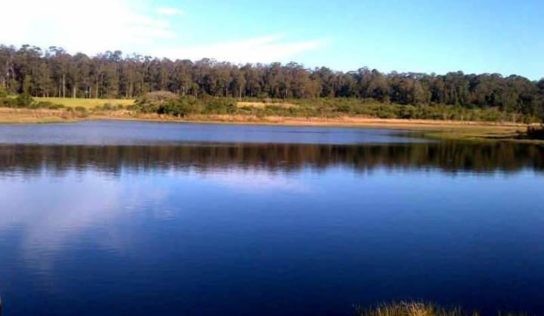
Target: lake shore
(465,130)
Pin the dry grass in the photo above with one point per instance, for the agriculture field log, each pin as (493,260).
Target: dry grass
(86,103)
(409,309)
(262,105)
(21,116)
(416,309)
(452,130)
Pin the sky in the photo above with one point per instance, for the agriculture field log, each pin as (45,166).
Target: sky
(474,36)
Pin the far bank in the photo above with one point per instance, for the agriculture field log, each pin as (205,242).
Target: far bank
(441,129)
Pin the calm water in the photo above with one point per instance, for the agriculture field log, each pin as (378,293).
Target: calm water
(113,218)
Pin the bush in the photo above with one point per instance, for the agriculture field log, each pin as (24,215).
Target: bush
(55,106)
(46,105)
(181,107)
(81,110)
(219,105)
(153,101)
(107,107)
(24,100)
(162,102)
(7,102)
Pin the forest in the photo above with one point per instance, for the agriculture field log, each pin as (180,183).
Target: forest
(53,72)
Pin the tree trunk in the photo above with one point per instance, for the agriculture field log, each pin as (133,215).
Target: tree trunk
(63,85)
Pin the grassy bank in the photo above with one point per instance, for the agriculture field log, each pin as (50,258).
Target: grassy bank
(426,121)
(426,128)
(418,309)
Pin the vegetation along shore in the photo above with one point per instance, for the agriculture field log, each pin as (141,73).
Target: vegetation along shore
(51,85)
(417,309)
(152,107)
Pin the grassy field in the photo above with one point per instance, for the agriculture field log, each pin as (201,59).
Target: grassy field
(86,103)
(262,105)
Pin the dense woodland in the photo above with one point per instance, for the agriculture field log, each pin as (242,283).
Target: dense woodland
(55,73)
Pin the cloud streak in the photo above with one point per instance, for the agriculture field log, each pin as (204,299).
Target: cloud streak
(265,49)
(169,11)
(154,30)
(94,27)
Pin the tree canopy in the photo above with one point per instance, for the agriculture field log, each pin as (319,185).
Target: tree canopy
(54,72)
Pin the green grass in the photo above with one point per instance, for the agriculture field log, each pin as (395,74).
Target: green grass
(86,103)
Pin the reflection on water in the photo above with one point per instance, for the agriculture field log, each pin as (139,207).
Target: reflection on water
(269,229)
(451,157)
(146,133)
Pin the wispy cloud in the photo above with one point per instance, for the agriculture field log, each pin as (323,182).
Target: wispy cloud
(169,11)
(266,49)
(92,27)
(151,29)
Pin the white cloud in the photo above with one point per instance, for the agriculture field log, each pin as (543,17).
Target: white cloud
(132,26)
(169,11)
(90,27)
(264,49)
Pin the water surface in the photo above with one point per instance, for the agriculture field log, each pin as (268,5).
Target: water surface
(117,218)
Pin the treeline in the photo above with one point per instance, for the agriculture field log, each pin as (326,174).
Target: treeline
(55,73)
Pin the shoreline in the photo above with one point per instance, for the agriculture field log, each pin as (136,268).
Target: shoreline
(437,129)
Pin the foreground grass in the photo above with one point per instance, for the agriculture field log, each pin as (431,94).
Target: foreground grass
(86,103)
(417,309)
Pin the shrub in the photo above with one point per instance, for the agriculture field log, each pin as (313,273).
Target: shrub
(181,107)
(219,105)
(153,101)
(107,107)
(81,110)
(46,105)
(7,102)
(24,100)
(55,106)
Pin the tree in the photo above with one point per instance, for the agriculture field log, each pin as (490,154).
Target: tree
(54,72)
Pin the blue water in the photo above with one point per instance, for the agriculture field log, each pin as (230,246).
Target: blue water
(138,133)
(282,222)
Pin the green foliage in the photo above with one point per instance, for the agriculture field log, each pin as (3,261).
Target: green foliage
(24,100)
(323,107)
(219,105)
(181,107)
(154,102)
(109,107)
(80,109)
(7,102)
(55,73)
(3,92)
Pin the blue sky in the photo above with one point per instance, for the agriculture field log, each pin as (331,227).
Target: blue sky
(501,36)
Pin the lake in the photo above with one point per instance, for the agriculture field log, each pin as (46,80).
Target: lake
(131,218)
